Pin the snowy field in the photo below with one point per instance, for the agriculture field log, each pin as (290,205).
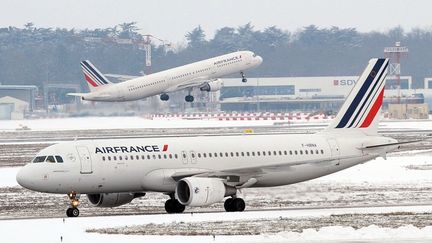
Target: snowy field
(380,201)
(85,123)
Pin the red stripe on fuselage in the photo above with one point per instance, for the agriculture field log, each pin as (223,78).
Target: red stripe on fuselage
(90,80)
(374,110)
(165,148)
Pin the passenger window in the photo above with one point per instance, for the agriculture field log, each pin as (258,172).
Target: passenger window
(210,155)
(311,152)
(176,156)
(131,157)
(301,151)
(215,154)
(103,158)
(50,159)
(316,151)
(165,156)
(221,154)
(137,157)
(226,154)
(290,152)
(295,152)
(159,156)
(204,155)
(193,155)
(154,156)
(280,152)
(258,153)
(170,156)
(184,156)
(242,153)
(142,157)
(114,157)
(285,152)
(322,151)
(120,157)
(237,154)
(232,154)
(264,153)
(253,153)
(306,152)
(274,153)
(59,159)
(247,154)
(109,158)
(199,155)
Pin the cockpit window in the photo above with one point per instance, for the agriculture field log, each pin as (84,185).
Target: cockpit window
(39,159)
(59,159)
(50,159)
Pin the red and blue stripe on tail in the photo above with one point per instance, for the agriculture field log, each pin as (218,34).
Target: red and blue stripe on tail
(94,78)
(363,103)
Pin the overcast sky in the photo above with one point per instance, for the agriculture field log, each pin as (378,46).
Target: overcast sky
(171,20)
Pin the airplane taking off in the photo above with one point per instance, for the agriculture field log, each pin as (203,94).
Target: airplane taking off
(203,75)
(202,170)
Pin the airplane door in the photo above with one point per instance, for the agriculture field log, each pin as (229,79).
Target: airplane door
(334,148)
(86,162)
(184,157)
(193,157)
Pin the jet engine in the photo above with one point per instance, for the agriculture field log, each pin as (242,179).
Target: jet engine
(108,200)
(196,191)
(212,86)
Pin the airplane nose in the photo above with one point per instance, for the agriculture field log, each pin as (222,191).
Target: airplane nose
(23,178)
(259,59)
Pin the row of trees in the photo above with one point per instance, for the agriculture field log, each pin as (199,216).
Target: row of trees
(32,55)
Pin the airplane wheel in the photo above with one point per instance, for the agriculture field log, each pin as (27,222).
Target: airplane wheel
(244,80)
(227,205)
(238,204)
(174,206)
(72,212)
(164,97)
(234,205)
(189,98)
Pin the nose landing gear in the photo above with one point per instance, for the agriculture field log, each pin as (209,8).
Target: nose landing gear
(244,80)
(73,211)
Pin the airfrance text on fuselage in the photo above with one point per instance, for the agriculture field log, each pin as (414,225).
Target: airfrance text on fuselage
(227,60)
(129,149)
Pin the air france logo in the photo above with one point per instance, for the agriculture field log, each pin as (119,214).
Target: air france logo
(344,82)
(227,60)
(131,149)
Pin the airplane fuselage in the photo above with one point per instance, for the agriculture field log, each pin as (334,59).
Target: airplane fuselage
(148,164)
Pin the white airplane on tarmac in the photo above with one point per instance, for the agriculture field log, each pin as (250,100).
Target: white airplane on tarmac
(203,75)
(201,170)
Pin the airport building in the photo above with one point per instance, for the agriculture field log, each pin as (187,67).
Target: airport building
(325,93)
(17,100)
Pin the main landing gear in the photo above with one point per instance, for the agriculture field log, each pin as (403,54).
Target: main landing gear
(164,97)
(234,205)
(189,97)
(244,80)
(73,211)
(172,205)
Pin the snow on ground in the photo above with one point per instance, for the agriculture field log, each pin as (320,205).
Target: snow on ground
(394,170)
(83,123)
(73,229)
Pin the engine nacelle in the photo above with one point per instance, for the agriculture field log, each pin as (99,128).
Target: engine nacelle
(112,199)
(196,191)
(212,86)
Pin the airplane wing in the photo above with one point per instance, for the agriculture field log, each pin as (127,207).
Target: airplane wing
(241,177)
(76,94)
(189,84)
